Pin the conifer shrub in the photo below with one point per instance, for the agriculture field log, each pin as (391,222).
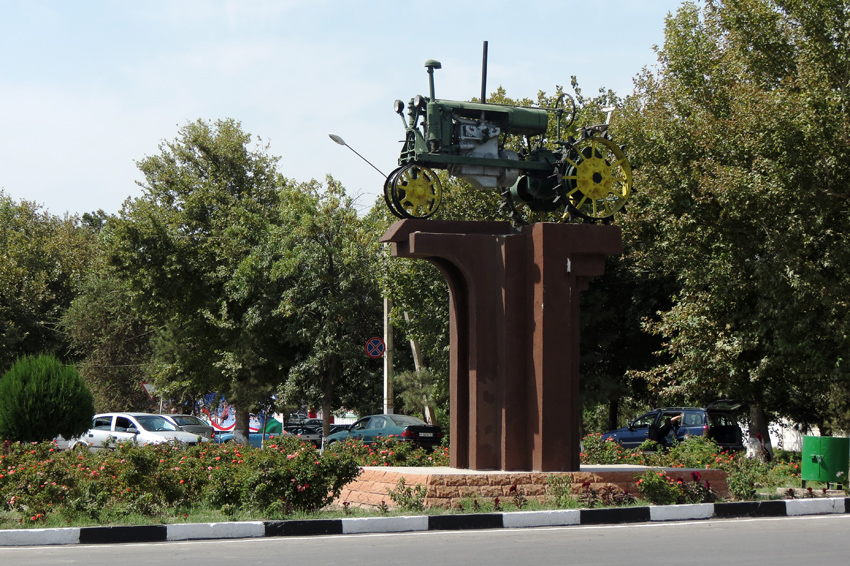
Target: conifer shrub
(41,398)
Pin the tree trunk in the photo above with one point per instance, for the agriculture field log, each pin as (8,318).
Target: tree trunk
(418,364)
(613,410)
(758,425)
(327,396)
(241,428)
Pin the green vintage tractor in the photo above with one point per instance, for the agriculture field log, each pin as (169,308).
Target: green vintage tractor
(587,178)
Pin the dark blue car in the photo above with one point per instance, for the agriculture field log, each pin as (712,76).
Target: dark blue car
(716,421)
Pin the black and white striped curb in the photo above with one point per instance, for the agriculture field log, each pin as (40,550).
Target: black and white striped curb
(517,519)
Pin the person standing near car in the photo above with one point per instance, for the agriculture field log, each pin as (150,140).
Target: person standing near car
(667,434)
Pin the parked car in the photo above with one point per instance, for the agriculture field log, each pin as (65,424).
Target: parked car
(303,421)
(717,421)
(374,427)
(306,433)
(338,427)
(108,429)
(191,424)
(255,439)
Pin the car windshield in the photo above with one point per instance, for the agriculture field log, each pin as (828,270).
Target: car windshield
(154,423)
(403,420)
(191,421)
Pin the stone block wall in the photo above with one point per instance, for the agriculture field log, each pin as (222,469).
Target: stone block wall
(446,487)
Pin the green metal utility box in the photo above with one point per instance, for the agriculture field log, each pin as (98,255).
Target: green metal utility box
(825,459)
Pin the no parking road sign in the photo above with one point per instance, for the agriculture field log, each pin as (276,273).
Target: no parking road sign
(375,347)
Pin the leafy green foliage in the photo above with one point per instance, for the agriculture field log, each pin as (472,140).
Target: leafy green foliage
(322,260)
(740,143)
(391,451)
(41,398)
(185,250)
(281,479)
(744,475)
(114,342)
(408,498)
(43,258)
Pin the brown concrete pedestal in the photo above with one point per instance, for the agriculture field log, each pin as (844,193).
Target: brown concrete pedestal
(514,334)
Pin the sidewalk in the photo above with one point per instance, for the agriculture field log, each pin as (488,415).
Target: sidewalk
(518,519)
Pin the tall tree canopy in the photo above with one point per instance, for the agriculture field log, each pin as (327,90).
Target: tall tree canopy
(323,260)
(741,142)
(184,247)
(42,259)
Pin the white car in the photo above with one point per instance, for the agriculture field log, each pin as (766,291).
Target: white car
(108,429)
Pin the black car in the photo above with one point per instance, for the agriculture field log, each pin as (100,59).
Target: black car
(338,427)
(717,421)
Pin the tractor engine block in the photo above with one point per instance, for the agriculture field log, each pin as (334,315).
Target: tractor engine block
(480,139)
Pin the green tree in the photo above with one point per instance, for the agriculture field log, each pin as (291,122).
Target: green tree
(323,261)
(184,250)
(41,398)
(43,258)
(741,142)
(113,342)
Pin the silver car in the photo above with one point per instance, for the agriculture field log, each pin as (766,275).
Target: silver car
(306,433)
(108,429)
(191,424)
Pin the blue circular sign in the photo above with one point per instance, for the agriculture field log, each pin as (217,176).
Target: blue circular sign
(375,347)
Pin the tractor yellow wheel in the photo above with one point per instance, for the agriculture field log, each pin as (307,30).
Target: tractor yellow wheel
(597,178)
(416,191)
(388,188)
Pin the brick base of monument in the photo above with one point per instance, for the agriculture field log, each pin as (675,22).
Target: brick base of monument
(447,487)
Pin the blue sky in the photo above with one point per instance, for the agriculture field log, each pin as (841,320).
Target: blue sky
(88,87)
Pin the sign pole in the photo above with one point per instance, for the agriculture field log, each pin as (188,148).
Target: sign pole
(388,358)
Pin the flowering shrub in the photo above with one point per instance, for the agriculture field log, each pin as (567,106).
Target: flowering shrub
(287,476)
(661,489)
(391,451)
(595,450)
(744,475)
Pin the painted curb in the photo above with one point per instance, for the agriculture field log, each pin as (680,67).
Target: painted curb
(750,509)
(681,512)
(614,515)
(358,525)
(795,507)
(384,525)
(38,537)
(522,519)
(314,527)
(197,531)
(122,534)
(465,522)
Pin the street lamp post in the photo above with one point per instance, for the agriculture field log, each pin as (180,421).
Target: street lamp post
(341,141)
(388,328)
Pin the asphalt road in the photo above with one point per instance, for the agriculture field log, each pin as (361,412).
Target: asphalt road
(808,541)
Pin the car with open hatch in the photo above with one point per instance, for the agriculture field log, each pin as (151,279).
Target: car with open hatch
(109,429)
(716,421)
(376,427)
